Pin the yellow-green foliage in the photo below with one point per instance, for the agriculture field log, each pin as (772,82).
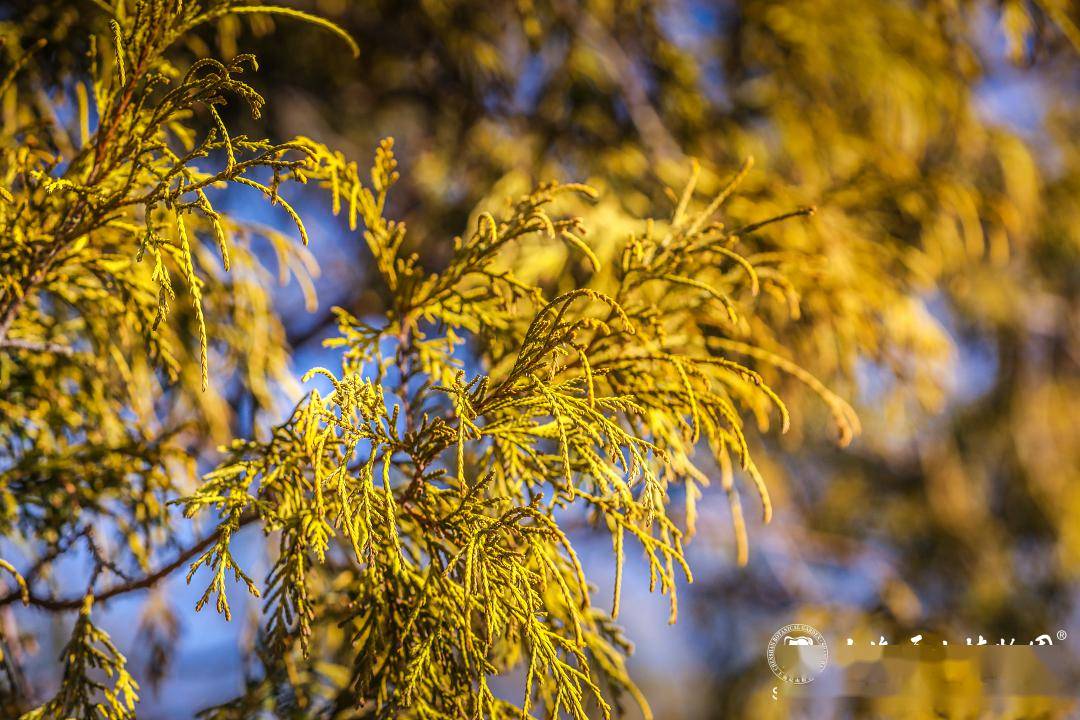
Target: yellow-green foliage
(107,216)
(103,367)
(419,507)
(932,208)
(80,695)
(435,488)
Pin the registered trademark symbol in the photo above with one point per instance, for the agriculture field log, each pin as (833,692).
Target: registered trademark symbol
(1061,635)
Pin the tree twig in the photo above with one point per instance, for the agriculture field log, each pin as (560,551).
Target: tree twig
(74,603)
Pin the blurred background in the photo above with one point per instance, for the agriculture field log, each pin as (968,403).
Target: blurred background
(938,140)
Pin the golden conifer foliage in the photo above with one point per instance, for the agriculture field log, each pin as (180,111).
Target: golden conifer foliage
(582,356)
(435,490)
(418,505)
(128,302)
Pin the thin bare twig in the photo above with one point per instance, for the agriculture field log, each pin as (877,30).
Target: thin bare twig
(74,603)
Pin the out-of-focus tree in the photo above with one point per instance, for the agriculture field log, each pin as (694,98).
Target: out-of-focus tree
(937,280)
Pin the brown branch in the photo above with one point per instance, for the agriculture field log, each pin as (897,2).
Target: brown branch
(74,603)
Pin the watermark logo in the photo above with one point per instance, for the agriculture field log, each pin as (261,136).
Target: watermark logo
(797,653)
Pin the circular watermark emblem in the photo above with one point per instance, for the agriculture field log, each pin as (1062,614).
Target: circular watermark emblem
(797,653)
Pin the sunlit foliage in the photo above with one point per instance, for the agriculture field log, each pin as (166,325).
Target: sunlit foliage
(417,507)
(565,363)
(439,489)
